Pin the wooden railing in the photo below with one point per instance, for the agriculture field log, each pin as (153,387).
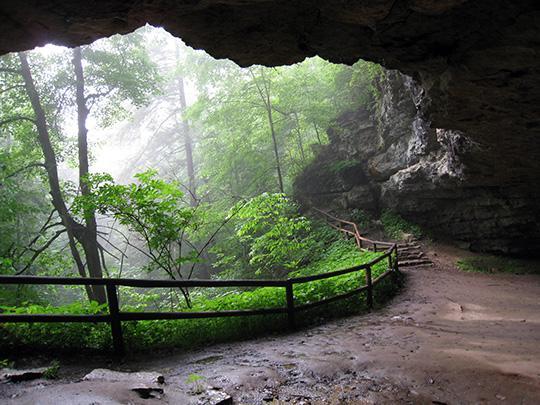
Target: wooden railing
(351,230)
(115,317)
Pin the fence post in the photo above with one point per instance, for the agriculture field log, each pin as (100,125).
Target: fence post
(396,264)
(116,324)
(369,284)
(290,305)
(374,247)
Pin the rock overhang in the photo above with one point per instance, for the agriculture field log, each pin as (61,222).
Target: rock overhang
(478,60)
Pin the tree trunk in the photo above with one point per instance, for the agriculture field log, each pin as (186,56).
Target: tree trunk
(188,144)
(88,235)
(300,141)
(274,140)
(317,133)
(265,97)
(72,227)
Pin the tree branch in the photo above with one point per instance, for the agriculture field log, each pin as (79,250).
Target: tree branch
(11,88)
(17,118)
(102,256)
(199,252)
(9,70)
(22,169)
(41,250)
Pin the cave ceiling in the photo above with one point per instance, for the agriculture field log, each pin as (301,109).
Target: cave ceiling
(478,61)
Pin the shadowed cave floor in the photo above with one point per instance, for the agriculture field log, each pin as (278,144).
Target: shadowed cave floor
(449,337)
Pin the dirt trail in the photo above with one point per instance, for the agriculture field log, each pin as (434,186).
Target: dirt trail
(449,337)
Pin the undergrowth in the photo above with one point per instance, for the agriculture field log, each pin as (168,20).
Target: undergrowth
(395,226)
(497,264)
(189,333)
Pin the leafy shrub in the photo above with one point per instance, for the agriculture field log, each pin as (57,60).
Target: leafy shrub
(270,239)
(495,264)
(188,333)
(51,373)
(58,335)
(361,218)
(153,209)
(395,226)
(5,363)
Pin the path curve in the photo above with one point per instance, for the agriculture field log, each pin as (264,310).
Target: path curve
(448,338)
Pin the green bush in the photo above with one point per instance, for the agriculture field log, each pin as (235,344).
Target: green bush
(143,335)
(51,373)
(395,226)
(271,239)
(361,218)
(497,264)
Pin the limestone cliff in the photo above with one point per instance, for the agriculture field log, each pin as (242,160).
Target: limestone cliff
(389,157)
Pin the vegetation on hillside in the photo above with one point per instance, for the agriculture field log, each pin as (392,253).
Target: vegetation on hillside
(396,226)
(139,157)
(497,264)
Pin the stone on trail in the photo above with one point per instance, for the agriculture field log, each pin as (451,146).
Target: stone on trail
(215,397)
(146,377)
(12,375)
(146,384)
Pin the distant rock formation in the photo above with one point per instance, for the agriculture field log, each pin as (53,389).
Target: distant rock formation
(391,158)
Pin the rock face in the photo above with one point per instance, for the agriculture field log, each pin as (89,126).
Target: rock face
(477,61)
(391,158)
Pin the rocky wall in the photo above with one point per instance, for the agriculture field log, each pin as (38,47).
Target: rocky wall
(389,157)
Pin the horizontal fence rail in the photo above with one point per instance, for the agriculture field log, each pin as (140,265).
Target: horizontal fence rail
(115,317)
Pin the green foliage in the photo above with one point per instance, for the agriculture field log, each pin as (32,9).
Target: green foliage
(189,332)
(58,335)
(6,363)
(361,218)
(51,373)
(271,238)
(152,208)
(195,380)
(342,165)
(274,233)
(235,154)
(364,82)
(339,255)
(239,119)
(395,226)
(497,264)
(120,74)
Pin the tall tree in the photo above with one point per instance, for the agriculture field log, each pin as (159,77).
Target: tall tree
(73,228)
(188,143)
(88,235)
(263,87)
(106,84)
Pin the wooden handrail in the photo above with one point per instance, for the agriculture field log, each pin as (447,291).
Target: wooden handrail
(305,279)
(356,232)
(144,283)
(115,316)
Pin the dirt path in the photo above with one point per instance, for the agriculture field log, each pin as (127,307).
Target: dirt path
(449,337)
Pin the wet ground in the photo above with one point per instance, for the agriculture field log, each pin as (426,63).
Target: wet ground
(448,338)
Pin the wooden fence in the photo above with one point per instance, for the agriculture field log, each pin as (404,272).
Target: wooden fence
(116,316)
